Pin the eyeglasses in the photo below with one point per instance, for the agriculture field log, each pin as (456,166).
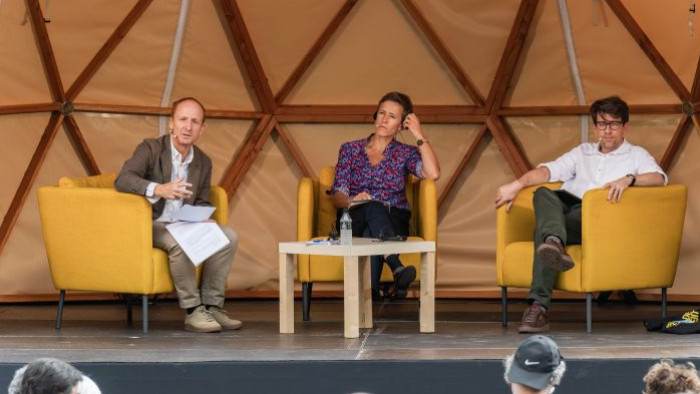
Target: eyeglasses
(614,125)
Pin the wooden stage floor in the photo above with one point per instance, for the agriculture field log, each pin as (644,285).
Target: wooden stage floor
(465,330)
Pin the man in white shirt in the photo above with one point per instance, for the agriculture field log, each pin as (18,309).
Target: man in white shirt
(611,163)
(169,171)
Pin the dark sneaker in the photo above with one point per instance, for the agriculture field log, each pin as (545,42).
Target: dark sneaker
(553,255)
(402,280)
(534,320)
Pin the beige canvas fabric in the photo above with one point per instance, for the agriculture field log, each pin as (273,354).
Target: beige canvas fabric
(378,48)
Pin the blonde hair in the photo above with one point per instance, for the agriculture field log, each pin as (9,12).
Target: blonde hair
(666,377)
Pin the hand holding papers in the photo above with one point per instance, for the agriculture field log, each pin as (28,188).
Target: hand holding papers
(198,239)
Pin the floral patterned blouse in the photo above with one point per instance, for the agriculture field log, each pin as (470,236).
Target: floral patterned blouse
(385,181)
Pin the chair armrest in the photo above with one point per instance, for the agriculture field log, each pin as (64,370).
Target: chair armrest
(637,239)
(219,199)
(427,210)
(306,208)
(518,225)
(94,235)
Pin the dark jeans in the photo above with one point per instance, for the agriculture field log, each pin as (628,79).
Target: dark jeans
(557,213)
(373,220)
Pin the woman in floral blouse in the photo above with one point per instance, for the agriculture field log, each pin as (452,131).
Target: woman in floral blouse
(375,169)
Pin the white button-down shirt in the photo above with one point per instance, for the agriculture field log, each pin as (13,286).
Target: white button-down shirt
(586,167)
(180,169)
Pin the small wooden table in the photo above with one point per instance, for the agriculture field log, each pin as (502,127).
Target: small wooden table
(357,284)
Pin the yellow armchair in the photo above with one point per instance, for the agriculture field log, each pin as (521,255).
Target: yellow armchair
(316,215)
(98,239)
(633,244)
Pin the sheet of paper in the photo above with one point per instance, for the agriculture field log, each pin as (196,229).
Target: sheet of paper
(191,213)
(198,240)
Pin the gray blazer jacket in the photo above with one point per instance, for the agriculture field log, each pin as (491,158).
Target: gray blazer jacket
(151,162)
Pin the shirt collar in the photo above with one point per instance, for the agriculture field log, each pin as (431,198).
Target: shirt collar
(177,156)
(621,150)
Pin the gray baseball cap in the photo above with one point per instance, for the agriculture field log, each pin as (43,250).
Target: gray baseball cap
(534,362)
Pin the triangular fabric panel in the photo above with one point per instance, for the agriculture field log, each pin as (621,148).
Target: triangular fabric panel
(671,32)
(377,50)
(24,131)
(625,71)
(284,31)
(136,71)
(209,68)
(21,73)
(543,76)
(475,32)
(73,48)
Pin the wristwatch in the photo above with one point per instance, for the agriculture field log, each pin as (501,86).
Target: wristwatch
(420,142)
(634,179)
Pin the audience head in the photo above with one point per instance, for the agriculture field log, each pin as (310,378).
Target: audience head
(536,366)
(51,376)
(666,377)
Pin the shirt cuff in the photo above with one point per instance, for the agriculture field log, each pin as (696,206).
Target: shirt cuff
(150,189)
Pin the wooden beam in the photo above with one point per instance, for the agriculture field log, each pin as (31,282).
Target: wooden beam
(248,160)
(28,108)
(294,151)
(511,54)
(366,119)
(363,113)
(314,51)
(80,146)
(53,77)
(27,181)
(462,164)
(695,90)
(649,49)
(230,179)
(696,122)
(244,45)
(674,145)
(145,110)
(107,49)
(509,148)
(443,52)
(584,110)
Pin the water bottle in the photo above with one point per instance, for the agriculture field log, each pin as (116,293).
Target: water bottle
(345,228)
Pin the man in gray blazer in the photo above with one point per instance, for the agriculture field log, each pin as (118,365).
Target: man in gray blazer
(171,171)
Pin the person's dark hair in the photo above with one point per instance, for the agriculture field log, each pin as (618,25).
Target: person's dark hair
(49,376)
(182,100)
(612,105)
(665,377)
(399,98)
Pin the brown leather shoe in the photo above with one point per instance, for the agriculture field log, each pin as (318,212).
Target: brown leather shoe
(534,319)
(553,255)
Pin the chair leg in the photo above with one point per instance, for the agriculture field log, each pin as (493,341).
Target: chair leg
(59,311)
(589,312)
(306,288)
(663,303)
(504,306)
(129,310)
(144,312)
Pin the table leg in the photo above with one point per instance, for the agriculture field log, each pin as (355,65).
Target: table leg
(286,280)
(427,292)
(351,288)
(365,293)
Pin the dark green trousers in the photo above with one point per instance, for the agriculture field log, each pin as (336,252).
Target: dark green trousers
(557,213)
